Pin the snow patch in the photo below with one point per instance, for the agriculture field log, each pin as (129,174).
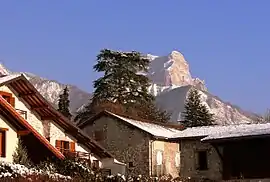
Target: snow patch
(152,128)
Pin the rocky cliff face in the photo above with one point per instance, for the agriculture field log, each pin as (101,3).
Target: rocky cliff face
(171,71)
(171,81)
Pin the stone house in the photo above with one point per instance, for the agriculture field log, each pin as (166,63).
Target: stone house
(225,152)
(145,147)
(31,108)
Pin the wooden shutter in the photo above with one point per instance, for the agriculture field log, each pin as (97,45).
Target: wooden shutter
(58,144)
(72,146)
(1,143)
(12,101)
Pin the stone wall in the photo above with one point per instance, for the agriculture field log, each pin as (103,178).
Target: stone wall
(165,158)
(190,160)
(129,145)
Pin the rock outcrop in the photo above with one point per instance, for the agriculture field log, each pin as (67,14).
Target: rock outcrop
(172,70)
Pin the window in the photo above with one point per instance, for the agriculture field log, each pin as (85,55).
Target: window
(130,164)
(177,159)
(202,160)
(159,158)
(8,97)
(65,146)
(2,143)
(95,164)
(99,135)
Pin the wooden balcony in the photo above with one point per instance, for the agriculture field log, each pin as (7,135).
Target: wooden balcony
(76,154)
(22,113)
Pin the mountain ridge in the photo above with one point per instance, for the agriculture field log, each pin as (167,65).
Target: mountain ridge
(170,77)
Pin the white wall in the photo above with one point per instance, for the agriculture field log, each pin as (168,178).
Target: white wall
(11,140)
(115,167)
(32,118)
(56,132)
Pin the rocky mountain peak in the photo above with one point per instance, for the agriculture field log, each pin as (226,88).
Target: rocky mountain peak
(172,70)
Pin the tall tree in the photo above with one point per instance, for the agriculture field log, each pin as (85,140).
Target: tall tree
(196,113)
(122,84)
(63,103)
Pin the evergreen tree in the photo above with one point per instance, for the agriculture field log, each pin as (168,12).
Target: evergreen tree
(122,84)
(196,113)
(20,156)
(63,103)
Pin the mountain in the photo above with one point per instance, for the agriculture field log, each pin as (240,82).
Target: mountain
(171,81)
(51,89)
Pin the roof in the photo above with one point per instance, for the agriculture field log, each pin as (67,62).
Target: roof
(239,132)
(5,107)
(46,111)
(207,133)
(157,130)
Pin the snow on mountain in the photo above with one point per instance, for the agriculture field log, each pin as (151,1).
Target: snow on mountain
(169,72)
(225,113)
(171,81)
(51,89)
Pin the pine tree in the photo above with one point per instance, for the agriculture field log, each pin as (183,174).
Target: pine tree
(123,85)
(20,156)
(63,103)
(196,113)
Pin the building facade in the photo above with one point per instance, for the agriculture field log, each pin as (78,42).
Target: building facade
(51,125)
(142,146)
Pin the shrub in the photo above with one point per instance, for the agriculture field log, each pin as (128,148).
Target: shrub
(20,156)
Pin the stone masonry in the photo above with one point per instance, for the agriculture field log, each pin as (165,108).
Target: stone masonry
(136,147)
(128,145)
(189,160)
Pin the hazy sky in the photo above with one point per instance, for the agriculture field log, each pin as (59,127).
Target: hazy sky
(225,42)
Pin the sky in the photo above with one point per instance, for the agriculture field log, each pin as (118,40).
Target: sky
(226,43)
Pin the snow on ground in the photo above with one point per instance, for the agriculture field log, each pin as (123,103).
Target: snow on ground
(17,169)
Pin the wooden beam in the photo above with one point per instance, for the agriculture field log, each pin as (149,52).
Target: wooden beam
(23,132)
(39,107)
(47,118)
(26,95)
(3,129)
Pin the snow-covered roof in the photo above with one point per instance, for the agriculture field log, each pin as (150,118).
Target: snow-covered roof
(152,128)
(7,78)
(241,131)
(228,131)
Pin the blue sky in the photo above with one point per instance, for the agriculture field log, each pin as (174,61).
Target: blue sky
(225,42)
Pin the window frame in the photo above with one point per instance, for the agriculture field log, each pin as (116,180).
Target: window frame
(3,142)
(60,145)
(199,160)
(8,97)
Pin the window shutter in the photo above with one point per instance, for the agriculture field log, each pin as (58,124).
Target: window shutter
(58,144)
(72,146)
(4,144)
(1,143)
(12,101)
